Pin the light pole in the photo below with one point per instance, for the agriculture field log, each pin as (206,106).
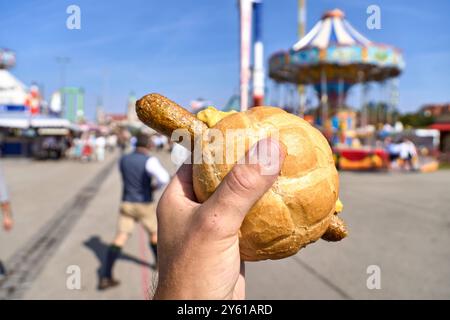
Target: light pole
(63,62)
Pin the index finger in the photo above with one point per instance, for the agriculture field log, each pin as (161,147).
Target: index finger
(181,184)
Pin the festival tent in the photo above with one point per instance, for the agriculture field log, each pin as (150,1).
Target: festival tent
(13,92)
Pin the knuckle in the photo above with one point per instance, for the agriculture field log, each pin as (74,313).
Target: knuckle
(241,179)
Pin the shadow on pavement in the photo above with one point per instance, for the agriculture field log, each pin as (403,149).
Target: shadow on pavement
(99,248)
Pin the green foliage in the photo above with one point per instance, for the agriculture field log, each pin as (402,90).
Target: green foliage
(416,120)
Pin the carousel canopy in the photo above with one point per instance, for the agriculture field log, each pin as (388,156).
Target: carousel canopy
(334,48)
(332,29)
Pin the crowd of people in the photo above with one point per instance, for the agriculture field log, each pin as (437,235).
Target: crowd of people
(94,145)
(91,146)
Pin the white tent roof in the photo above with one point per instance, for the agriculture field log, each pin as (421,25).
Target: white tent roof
(17,123)
(24,121)
(12,91)
(39,122)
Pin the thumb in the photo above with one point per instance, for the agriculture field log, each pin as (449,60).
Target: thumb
(247,182)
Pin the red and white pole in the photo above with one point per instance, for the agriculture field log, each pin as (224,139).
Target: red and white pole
(258,55)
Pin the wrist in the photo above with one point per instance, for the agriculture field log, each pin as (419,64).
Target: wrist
(185,289)
(169,288)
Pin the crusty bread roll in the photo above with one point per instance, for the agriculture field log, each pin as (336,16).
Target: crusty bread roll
(299,208)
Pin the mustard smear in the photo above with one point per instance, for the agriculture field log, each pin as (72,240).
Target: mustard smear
(339,206)
(211,116)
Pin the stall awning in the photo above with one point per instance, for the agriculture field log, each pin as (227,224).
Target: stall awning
(440,126)
(24,121)
(49,123)
(15,123)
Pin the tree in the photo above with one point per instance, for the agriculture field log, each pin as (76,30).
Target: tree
(416,120)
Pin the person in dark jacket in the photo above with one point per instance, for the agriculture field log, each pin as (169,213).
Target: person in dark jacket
(141,174)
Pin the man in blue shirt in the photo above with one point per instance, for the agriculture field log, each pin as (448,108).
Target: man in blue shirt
(141,174)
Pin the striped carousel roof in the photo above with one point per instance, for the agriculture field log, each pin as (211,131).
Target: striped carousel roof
(332,29)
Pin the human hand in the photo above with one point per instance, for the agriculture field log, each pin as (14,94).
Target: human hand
(198,244)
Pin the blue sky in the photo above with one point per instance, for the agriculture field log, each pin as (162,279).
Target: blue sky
(187,49)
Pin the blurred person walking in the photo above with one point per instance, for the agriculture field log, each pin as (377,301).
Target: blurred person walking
(393,150)
(88,147)
(111,142)
(77,148)
(159,141)
(100,146)
(6,210)
(408,154)
(142,174)
(123,139)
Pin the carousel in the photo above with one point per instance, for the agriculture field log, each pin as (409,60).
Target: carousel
(331,58)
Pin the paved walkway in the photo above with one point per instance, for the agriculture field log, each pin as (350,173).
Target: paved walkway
(398,222)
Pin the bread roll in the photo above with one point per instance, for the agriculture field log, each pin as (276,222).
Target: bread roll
(298,209)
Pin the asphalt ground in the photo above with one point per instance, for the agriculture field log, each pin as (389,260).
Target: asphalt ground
(65,216)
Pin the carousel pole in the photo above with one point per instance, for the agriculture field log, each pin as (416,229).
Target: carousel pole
(394,97)
(273,93)
(363,105)
(245,10)
(340,93)
(388,102)
(287,100)
(295,100)
(381,114)
(324,96)
(277,96)
(258,55)
(388,117)
(301,34)
(292,91)
(363,99)
(282,96)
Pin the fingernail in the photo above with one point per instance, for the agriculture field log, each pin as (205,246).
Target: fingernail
(267,154)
